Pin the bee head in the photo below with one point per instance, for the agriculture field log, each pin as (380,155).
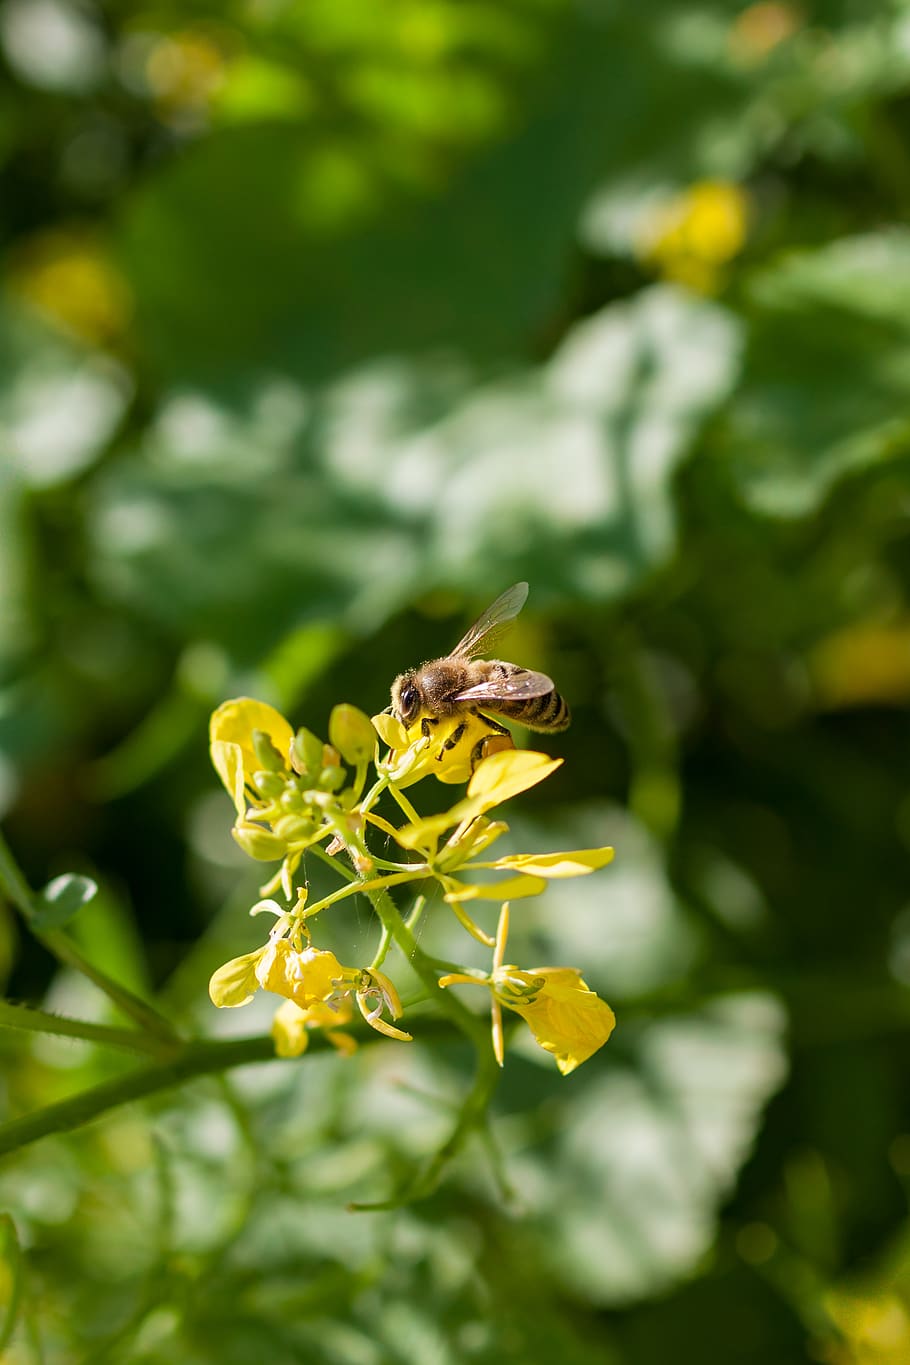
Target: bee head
(406,698)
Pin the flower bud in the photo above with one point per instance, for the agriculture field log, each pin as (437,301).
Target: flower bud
(268,756)
(352,734)
(331,778)
(306,752)
(259,843)
(268,783)
(291,828)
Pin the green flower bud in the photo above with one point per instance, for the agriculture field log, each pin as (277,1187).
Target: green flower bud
(291,800)
(352,734)
(331,778)
(268,756)
(268,783)
(291,828)
(306,752)
(259,843)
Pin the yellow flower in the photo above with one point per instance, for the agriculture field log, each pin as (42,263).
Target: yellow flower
(565,1016)
(232,747)
(291,1026)
(305,977)
(496,778)
(449,749)
(72,278)
(691,237)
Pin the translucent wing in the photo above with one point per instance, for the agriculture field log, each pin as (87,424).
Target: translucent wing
(519,686)
(492,624)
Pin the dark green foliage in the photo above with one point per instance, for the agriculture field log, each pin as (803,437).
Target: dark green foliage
(323,322)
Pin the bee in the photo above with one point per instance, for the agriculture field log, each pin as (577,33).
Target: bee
(463,685)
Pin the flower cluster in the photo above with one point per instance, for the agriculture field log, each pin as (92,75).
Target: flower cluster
(294,793)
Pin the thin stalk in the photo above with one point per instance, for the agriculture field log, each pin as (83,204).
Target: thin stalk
(391,920)
(472,1117)
(16,890)
(196,1059)
(367,887)
(30,1020)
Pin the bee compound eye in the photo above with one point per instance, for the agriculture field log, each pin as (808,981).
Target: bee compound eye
(408,698)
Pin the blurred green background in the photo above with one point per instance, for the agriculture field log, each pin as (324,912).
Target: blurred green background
(322,322)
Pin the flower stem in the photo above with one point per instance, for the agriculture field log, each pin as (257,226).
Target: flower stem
(392,922)
(195,1059)
(30,1020)
(16,890)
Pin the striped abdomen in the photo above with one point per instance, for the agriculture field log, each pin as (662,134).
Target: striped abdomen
(549,712)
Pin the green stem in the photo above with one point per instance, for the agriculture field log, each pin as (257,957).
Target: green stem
(333,863)
(16,889)
(385,943)
(472,1117)
(404,803)
(12,883)
(133,1006)
(392,922)
(366,887)
(413,918)
(196,1059)
(30,1020)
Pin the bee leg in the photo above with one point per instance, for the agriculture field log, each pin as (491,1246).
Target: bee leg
(453,739)
(426,726)
(491,744)
(495,725)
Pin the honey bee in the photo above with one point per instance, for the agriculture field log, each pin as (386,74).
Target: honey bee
(463,685)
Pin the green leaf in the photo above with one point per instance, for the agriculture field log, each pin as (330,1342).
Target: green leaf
(61,899)
(10,1279)
(826,388)
(646,1152)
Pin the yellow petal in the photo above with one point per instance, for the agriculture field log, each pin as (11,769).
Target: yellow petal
(567,1018)
(289,1030)
(575,864)
(231,741)
(505,774)
(422,831)
(305,977)
(513,888)
(390,730)
(235,983)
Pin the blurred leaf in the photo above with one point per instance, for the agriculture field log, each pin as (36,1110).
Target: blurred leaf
(59,402)
(826,385)
(10,1278)
(408,470)
(61,899)
(645,1154)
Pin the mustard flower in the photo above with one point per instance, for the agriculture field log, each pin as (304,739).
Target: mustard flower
(565,1016)
(448,749)
(291,1026)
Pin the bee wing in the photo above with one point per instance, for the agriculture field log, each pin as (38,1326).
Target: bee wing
(519,686)
(493,623)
